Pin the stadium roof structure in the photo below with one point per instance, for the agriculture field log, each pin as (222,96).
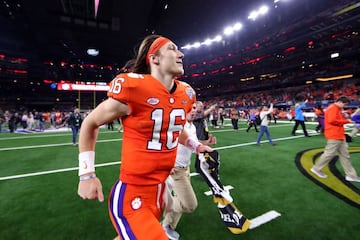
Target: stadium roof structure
(47,37)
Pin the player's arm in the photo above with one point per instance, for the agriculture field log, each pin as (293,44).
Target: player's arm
(192,143)
(89,185)
(208,111)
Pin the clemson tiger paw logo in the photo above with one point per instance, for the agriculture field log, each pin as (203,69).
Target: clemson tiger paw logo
(136,203)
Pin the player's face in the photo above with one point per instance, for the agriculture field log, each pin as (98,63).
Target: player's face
(171,59)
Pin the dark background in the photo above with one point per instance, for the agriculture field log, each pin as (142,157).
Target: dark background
(44,42)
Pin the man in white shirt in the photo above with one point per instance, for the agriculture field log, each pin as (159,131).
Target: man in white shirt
(264,124)
(184,199)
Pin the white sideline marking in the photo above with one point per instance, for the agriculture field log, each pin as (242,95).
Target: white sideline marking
(266,217)
(193,174)
(228,187)
(53,171)
(55,145)
(113,163)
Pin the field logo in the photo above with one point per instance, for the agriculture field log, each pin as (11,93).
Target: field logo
(335,183)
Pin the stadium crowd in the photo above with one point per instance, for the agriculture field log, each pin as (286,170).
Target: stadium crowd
(284,99)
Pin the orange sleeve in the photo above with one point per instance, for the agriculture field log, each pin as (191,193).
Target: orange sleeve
(334,123)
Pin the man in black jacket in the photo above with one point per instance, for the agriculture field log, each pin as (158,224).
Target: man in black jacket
(74,121)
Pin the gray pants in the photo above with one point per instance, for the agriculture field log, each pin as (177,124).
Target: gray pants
(332,148)
(184,197)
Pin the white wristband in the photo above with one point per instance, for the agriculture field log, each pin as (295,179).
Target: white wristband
(88,177)
(86,162)
(192,144)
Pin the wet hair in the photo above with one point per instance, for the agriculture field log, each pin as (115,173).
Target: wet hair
(140,65)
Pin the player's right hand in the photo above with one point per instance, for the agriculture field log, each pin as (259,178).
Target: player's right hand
(91,189)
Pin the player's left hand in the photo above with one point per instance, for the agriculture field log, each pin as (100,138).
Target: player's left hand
(91,189)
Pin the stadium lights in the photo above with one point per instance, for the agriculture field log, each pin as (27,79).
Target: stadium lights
(335,78)
(276,1)
(237,26)
(208,41)
(218,38)
(92,52)
(231,29)
(197,45)
(334,55)
(228,31)
(261,11)
(253,15)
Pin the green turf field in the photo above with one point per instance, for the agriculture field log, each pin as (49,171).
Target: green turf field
(38,188)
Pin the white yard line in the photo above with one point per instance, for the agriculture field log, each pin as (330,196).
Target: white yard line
(45,134)
(227,187)
(264,218)
(54,171)
(54,145)
(120,139)
(259,220)
(111,163)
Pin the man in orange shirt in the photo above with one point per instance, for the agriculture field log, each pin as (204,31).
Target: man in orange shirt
(336,142)
(152,105)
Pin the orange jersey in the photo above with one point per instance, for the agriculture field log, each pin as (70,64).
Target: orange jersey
(152,129)
(334,123)
(58,117)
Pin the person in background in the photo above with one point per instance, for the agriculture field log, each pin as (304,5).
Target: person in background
(356,118)
(214,117)
(184,200)
(110,125)
(299,118)
(24,118)
(275,115)
(200,122)
(2,119)
(13,121)
(265,111)
(120,128)
(292,113)
(252,123)
(222,114)
(319,111)
(41,122)
(74,121)
(30,121)
(336,144)
(234,116)
(153,107)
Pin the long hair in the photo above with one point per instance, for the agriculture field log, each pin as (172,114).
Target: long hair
(140,65)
